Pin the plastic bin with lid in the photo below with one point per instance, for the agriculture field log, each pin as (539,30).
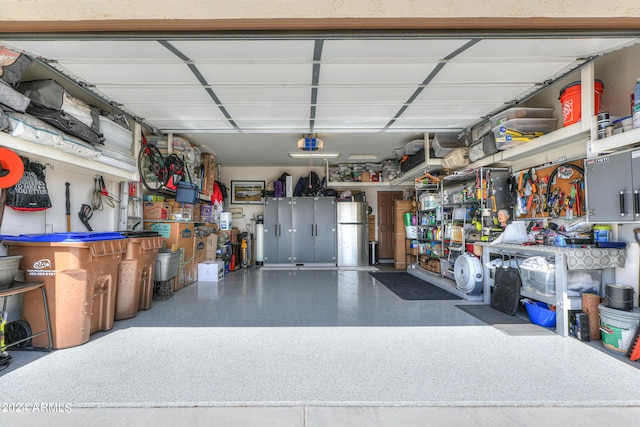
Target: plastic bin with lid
(444,143)
(412,147)
(521,113)
(538,275)
(526,126)
(80,273)
(135,276)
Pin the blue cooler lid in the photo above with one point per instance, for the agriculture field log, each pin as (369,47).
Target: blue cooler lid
(65,237)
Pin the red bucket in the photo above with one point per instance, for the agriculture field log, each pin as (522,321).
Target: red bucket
(570,99)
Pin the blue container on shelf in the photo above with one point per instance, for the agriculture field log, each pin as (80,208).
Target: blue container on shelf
(540,314)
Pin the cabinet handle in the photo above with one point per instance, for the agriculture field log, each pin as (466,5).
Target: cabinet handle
(636,203)
(622,208)
(316,225)
(312,231)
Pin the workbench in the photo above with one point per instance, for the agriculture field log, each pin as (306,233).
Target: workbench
(565,258)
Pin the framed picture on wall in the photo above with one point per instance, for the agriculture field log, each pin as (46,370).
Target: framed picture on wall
(247,192)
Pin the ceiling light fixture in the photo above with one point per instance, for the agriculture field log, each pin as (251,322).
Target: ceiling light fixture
(308,155)
(363,157)
(310,143)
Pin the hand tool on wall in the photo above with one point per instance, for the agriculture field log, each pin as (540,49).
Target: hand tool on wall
(68,205)
(85,215)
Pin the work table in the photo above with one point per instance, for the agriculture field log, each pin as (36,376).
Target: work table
(565,258)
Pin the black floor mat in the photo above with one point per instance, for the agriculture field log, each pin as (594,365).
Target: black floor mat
(510,325)
(409,287)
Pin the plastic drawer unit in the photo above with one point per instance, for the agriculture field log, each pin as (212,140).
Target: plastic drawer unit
(80,273)
(135,277)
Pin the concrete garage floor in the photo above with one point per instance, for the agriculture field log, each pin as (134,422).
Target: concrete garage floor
(308,348)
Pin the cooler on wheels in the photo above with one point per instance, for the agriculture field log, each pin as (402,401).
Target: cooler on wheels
(80,273)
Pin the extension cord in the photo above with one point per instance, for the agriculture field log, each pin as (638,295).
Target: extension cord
(5,359)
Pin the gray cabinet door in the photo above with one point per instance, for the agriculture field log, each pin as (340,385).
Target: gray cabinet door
(270,240)
(277,231)
(303,230)
(285,248)
(608,183)
(325,229)
(635,171)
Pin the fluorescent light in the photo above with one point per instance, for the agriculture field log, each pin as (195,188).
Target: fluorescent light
(295,155)
(363,157)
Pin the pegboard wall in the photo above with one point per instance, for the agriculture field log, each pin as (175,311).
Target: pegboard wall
(551,191)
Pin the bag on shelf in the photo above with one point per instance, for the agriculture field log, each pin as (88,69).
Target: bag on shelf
(30,193)
(482,148)
(11,98)
(456,159)
(12,64)
(66,123)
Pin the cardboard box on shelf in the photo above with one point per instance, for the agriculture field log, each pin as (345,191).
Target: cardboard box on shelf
(233,234)
(206,213)
(211,245)
(200,249)
(157,210)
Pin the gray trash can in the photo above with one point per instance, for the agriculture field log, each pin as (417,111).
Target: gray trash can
(373,253)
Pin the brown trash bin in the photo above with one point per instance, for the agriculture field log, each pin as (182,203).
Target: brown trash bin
(80,273)
(135,277)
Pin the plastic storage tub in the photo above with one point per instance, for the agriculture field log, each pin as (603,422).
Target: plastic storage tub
(539,281)
(80,273)
(520,113)
(525,126)
(444,143)
(135,277)
(412,147)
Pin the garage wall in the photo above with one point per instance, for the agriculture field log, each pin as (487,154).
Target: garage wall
(54,220)
(265,174)
(49,10)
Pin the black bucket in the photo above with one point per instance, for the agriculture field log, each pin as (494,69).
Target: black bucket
(619,297)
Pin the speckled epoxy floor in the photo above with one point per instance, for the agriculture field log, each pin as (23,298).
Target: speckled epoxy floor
(319,338)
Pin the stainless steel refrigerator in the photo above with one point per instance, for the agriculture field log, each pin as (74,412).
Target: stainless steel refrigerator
(353,234)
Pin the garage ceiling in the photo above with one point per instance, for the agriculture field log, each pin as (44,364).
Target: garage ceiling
(249,99)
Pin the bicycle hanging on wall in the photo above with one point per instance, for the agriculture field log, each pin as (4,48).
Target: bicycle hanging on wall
(159,174)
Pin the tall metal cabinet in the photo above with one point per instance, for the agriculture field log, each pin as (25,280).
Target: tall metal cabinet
(300,230)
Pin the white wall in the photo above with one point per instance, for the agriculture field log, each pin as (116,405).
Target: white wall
(54,219)
(265,174)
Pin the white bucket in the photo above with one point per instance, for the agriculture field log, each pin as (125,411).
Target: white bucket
(225,220)
(618,327)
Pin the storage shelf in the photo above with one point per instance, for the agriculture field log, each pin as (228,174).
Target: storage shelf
(573,303)
(77,164)
(354,184)
(615,142)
